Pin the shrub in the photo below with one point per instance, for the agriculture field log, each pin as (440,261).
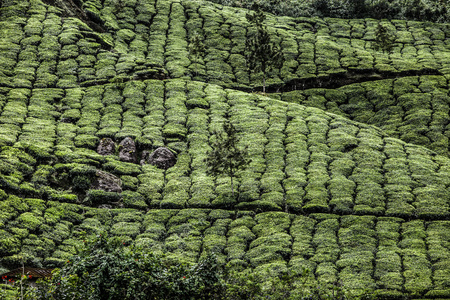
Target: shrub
(30,221)
(129,182)
(9,244)
(96,197)
(106,268)
(134,200)
(121,168)
(123,229)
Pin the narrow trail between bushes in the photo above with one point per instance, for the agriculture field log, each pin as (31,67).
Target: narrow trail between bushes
(334,81)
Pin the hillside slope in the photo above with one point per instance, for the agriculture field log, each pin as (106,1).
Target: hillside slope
(146,34)
(412,108)
(348,200)
(303,160)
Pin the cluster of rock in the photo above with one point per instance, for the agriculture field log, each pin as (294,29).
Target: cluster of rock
(127,150)
(107,182)
(162,157)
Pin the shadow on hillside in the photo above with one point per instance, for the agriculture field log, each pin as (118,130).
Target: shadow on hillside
(336,80)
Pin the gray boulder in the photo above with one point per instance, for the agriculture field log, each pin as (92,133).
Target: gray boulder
(107,182)
(106,147)
(127,150)
(162,158)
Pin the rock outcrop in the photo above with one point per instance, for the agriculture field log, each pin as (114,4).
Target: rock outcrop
(127,150)
(107,182)
(106,147)
(162,158)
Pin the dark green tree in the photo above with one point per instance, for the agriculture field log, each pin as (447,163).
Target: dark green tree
(110,269)
(225,156)
(262,54)
(435,11)
(384,40)
(196,49)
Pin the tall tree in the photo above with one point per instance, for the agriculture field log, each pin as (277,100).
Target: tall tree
(384,40)
(196,49)
(262,54)
(225,156)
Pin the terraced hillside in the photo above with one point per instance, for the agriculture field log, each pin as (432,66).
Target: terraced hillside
(412,108)
(349,172)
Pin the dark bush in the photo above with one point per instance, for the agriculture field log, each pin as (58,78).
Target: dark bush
(421,10)
(108,269)
(97,197)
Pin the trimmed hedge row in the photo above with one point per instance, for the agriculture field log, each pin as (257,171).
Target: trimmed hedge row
(151,40)
(412,108)
(388,255)
(303,159)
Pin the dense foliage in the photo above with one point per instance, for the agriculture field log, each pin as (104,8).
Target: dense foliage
(108,269)
(105,269)
(422,10)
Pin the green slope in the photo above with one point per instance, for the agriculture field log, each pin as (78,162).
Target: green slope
(413,108)
(391,255)
(145,34)
(303,159)
(324,190)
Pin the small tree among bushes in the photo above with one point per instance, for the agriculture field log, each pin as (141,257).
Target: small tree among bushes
(384,40)
(225,156)
(196,49)
(262,54)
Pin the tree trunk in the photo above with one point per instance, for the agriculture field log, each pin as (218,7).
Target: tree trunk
(232,188)
(231,177)
(264,83)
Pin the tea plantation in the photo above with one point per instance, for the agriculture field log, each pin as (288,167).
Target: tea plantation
(350,160)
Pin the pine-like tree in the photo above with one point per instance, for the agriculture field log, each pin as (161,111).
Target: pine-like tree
(262,54)
(196,49)
(225,156)
(384,40)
